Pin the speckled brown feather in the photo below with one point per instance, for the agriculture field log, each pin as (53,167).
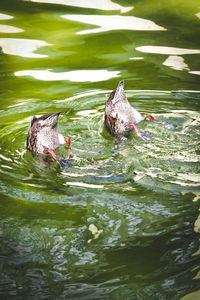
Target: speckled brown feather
(110,121)
(32,135)
(34,140)
(119,113)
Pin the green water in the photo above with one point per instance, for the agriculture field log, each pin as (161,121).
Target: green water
(142,198)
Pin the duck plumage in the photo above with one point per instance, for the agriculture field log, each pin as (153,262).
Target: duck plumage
(121,117)
(43,134)
(119,114)
(43,137)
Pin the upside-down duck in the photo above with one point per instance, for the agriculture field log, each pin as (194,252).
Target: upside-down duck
(43,137)
(121,117)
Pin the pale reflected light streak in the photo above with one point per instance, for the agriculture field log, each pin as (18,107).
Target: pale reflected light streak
(197,196)
(5,17)
(74,76)
(7,167)
(198,15)
(95,4)
(195,72)
(5,158)
(136,58)
(114,22)
(22,47)
(82,95)
(87,113)
(176,62)
(10,29)
(183,184)
(86,185)
(167,50)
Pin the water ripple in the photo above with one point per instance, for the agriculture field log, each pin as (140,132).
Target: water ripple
(169,162)
(94,4)
(22,47)
(107,23)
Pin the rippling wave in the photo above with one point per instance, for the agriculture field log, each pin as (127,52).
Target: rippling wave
(169,162)
(122,222)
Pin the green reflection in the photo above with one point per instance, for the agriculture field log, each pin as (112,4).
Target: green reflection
(141,198)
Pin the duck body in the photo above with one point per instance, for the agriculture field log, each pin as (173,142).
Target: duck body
(44,138)
(121,117)
(43,134)
(119,114)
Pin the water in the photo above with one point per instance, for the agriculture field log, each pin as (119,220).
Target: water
(119,223)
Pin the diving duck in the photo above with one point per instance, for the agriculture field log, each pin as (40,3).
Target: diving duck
(43,137)
(121,117)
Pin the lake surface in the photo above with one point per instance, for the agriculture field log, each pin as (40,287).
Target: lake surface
(121,222)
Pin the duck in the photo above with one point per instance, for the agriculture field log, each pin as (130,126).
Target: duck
(44,138)
(120,117)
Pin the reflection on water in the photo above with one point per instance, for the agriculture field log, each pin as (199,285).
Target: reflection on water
(95,4)
(107,23)
(22,47)
(82,184)
(198,15)
(122,222)
(149,164)
(9,29)
(176,63)
(173,61)
(167,50)
(195,72)
(5,17)
(76,76)
(130,195)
